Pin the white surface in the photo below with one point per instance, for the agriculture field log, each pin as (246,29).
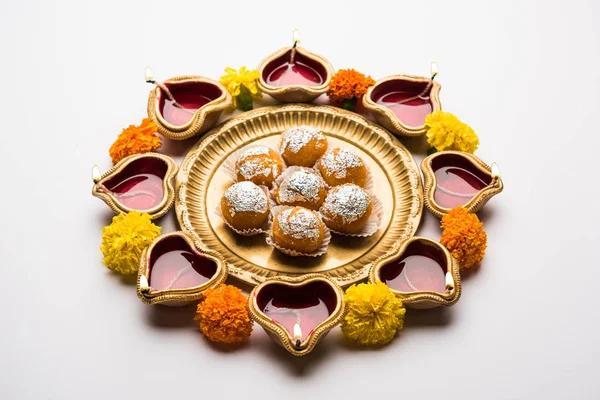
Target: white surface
(523,74)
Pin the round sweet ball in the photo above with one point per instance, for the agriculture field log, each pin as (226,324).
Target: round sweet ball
(244,205)
(347,208)
(339,166)
(258,164)
(298,229)
(304,187)
(302,145)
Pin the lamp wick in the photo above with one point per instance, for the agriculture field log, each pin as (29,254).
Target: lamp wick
(161,86)
(293,53)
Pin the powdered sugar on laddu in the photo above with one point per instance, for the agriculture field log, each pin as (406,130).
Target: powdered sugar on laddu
(246,197)
(348,201)
(338,164)
(255,151)
(255,166)
(294,139)
(301,185)
(302,224)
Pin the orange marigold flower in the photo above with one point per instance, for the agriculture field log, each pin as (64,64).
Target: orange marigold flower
(348,84)
(464,236)
(135,140)
(223,315)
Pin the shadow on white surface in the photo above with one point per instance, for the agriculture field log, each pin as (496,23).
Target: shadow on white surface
(177,148)
(160,316)
(439,317)
(487,213)
(298,367)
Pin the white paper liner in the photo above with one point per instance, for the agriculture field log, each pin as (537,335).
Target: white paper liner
(319,252)
(287,172)
(254,231)
(373,223)
(369,182)
(229,164)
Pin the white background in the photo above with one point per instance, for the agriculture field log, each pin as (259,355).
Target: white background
(523,74)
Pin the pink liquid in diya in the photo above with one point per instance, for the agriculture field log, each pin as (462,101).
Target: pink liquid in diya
(190,102)
(140,192)
(411,113)
(418,273)
(456,186)
(177,267)
(294,74)
(308,317)
(308,306)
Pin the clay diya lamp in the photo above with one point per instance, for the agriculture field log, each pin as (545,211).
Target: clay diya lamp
(401,102)
(186,106)
(141,182)
(175,270)
(421,272)
(294,75)
(454,178)
(297,312)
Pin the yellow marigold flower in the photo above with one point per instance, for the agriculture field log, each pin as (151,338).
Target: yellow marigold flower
(135,140)
(446,132)
(464,236)
(348,84)
(124,240)
(234,80)
(374,315)
(223,315)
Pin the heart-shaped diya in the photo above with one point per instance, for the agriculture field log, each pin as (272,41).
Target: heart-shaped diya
(454,179)
(421,272)
(294,75)
(297,312)
(401,102)
(193,107)
(175,270)
(141,182)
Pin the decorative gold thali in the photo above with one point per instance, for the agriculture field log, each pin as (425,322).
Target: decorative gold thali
(202,180)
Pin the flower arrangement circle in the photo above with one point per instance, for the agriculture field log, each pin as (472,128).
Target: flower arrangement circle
(374,313)
(464,237)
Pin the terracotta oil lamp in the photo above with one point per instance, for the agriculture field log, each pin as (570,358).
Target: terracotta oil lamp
(401,102)
(454,178)
(141,182)
(186,106)
(297,312)
(421,272)
(175,270)
(294,75)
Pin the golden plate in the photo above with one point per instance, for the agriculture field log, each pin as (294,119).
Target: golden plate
(201,182)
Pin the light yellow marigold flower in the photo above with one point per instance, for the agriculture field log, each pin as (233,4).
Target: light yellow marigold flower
(446,132)
(374,315)
(233,80)
(124,240)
